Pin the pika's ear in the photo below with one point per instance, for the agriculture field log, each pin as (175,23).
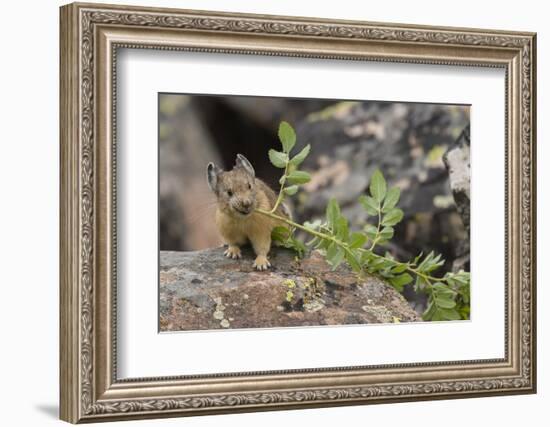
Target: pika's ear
(243,162)
(212,172)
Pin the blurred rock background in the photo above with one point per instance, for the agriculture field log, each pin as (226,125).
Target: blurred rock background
(349,140)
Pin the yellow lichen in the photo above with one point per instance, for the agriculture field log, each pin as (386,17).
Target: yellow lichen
(289,283)
(289,296)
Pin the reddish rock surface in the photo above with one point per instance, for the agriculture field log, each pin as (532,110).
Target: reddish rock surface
(204,290)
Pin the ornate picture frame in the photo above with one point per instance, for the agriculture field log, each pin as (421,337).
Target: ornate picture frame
(90,37)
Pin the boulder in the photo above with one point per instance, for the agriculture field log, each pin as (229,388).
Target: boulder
(457,161)
(204,290)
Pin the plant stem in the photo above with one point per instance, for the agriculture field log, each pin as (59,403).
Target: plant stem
(375,240)
(344,246)
(426,277)
(281,190)
(299,226)
(307,230)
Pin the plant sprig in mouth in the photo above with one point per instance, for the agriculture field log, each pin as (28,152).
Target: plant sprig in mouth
(245,213)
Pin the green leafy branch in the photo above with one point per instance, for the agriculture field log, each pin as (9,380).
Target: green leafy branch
(282,159)
(448,295)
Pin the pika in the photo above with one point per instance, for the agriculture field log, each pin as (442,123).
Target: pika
(238,193)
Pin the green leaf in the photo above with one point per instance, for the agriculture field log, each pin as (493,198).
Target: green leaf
(298,177)
(280,233)
(397,287)
(287,136)
(464,292)
(335,255)
(460,278)
(400,268)
(277,158)
(331,250)
(464,312)
(370,205)
(352,260)
(402,279)
(371,231)
(323,244)
(365,257)
(392,217)
(442,290)
(300,157)
(429,312)
(391,199)
(448,314)
(420,284)
(333,213)
(298,246)
(357,240)
(342,229)
(386,233)
(444,303)
(376,264)
(434,264)
(292,190)
(377,186)
(284,237)
(386,269)
(425,261)
(338,258)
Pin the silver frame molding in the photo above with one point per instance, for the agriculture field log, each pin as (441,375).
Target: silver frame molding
(90,37)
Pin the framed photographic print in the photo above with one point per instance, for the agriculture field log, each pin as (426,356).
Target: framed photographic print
(265,212)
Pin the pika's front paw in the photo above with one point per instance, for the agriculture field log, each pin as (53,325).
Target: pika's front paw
(261,263)
(233,252)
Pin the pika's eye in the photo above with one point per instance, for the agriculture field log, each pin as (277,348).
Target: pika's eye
(249,186)
(229,193)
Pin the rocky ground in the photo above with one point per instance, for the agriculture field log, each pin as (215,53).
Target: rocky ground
(204,290)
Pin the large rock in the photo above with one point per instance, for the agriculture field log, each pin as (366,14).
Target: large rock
(457,161)
(204,290)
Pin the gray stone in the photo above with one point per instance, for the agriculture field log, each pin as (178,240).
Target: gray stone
(457,161)
(204,290)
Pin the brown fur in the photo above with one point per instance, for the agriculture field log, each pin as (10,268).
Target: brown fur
(238,193)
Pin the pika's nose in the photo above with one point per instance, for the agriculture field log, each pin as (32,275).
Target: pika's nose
(247,204)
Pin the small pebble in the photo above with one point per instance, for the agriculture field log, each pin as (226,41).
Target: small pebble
(224,323)
(218,315)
